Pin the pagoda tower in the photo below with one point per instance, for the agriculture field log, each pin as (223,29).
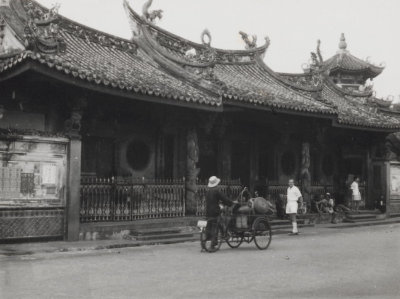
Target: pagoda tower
(348,71)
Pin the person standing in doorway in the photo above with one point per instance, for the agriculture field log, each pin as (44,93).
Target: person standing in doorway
(294,197)
(356,195)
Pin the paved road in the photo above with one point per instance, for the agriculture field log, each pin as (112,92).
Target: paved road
(320,263)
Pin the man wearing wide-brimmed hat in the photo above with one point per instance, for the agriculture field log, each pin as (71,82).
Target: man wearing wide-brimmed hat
(213,198)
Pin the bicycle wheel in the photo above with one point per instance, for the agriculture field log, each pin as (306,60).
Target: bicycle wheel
(206,242)
(262,233)
(234,239)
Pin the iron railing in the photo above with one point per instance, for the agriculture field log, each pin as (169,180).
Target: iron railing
(127,199)
(122,199)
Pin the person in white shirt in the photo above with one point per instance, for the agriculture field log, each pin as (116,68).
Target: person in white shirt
(293,198)
(356,195)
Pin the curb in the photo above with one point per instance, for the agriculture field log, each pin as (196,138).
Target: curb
(278,232)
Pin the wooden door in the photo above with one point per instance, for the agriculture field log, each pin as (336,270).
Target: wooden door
(376,184)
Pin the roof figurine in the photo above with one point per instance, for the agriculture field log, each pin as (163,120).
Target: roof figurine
(342,44)
(151,16)
(251,42)
(206,37)
(321,59)
(42,31)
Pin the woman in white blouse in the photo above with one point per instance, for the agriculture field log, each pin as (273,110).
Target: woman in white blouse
(356,193)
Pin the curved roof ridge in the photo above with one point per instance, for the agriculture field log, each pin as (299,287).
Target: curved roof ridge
(260,50)
(347,92)
(279,77)
(65,21)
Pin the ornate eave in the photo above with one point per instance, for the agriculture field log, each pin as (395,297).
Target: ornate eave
(345,62)
(347,92)
(161,67)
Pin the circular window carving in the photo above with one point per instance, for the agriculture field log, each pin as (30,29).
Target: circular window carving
(288,163)
(138,155)
(327,165)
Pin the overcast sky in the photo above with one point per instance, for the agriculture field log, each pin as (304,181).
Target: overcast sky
(372,27)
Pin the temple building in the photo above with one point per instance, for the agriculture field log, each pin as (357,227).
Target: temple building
(95,128)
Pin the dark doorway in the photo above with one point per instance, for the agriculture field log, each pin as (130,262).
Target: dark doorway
(354,166)
(241,161)
(377,185)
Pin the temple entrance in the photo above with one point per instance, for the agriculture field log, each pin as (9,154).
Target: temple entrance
(377,183)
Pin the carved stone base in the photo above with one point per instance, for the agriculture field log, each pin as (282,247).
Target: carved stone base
(31,223)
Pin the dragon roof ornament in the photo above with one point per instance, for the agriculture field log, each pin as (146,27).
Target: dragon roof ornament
(315,66)
(250,41)
(152,15)
(42,31)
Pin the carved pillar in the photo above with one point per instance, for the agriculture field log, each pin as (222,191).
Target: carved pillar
(192,158)
(305,173)
(72,129)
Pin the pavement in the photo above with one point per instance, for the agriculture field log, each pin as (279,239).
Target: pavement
(322,262)
(21,249)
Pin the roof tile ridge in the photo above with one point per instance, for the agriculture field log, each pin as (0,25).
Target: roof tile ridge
(277,76)
(344,92)
(65,21)
(142,22)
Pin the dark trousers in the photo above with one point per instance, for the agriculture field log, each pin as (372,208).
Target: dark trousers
(212,230)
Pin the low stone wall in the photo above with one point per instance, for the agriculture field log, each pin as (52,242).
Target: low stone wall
(28,223)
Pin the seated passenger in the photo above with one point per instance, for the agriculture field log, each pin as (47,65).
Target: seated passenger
(326,205)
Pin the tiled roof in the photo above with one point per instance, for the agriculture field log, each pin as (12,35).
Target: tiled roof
(111,61)
(157,64)
(253,84)
(348,62)
(345,61)
(357,111)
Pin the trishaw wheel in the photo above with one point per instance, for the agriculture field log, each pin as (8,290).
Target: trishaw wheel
(262,233)
(233,239)
(206,243)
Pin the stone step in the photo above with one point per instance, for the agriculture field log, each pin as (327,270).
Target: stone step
(361,216)
(287,229)
(367,223)
(363,212)
(394,215)
(284,222)
(357,220)
(156,231)
(194,237)
(163,237)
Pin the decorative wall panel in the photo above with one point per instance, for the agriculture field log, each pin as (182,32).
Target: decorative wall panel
(34,223)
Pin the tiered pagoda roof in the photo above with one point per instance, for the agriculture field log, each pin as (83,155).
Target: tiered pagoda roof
(344,61)
(159,66)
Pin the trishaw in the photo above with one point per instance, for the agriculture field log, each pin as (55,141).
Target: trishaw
(235,228)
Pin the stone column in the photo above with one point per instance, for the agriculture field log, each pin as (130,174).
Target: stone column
(305,173)
(74,188)
(72,128)
(192,158)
